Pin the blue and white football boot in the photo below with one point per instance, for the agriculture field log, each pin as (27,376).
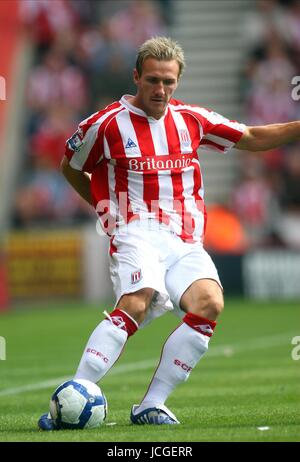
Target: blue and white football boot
(159,415)
(46,423)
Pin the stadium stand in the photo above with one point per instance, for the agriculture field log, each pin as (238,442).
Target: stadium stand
(241,57)
(13,64)
(241,64)
(81,63)
(271,39)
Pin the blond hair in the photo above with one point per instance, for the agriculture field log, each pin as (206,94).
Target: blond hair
(162,49)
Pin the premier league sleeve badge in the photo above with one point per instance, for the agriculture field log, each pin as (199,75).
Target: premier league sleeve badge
(76,141)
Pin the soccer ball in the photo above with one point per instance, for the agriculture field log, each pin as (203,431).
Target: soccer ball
(78,404)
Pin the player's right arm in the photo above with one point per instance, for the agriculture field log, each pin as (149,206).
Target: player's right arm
(82,153)
(79,180)
(85,149)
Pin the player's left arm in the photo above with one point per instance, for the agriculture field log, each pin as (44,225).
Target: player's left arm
(265,137)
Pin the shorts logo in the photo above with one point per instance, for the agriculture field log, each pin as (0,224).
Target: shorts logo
(136,276)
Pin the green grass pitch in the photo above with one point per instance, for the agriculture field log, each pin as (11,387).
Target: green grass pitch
(248,379)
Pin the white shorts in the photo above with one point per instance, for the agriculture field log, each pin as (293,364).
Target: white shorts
(147,256)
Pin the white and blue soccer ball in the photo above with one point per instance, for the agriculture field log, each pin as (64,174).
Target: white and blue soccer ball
(78,404)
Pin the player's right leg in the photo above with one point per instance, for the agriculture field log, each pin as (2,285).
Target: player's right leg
(136,275)
(107,341)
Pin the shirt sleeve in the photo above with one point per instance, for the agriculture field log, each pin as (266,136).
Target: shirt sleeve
(84,148)
(220,133)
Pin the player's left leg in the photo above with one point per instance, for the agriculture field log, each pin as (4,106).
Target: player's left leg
(201,301)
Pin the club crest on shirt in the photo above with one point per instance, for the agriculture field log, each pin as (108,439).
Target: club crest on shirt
(75,142)
(136,276)
(185,139)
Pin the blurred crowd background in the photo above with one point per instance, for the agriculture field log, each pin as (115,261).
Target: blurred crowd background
(85,51)
(266,197)
(83,55)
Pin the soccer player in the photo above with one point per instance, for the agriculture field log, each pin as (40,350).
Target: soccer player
(136,162)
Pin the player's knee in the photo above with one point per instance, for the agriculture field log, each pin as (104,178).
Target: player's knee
(137,310)
(215,305)
(210,304)
(137,303)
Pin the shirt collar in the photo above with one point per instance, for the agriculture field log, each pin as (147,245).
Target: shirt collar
(124,101)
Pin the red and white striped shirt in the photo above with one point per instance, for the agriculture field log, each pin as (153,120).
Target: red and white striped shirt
(147,168)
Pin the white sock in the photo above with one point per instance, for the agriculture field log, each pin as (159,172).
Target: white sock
(180,354)
(101,352)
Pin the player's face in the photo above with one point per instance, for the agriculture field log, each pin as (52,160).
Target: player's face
(155,86)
